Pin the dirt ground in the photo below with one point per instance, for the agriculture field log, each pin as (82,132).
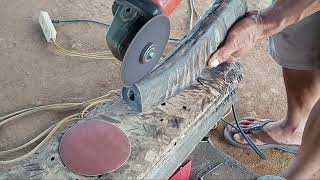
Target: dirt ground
(32,73)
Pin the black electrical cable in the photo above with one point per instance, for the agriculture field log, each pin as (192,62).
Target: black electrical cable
(248,139)
(57,21)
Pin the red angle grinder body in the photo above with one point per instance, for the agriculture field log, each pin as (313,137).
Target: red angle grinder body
(138,35)
(167,6)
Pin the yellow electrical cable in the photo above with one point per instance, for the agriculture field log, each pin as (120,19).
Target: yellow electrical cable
(77,53)
(47,138)
(90,106)
(191,15)
(2,153)
(25,112)
(105,56)
(196,9)
(193,10)
(54,128)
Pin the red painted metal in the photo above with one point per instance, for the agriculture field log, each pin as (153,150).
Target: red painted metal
(168,6)
(184,172)
(94,148)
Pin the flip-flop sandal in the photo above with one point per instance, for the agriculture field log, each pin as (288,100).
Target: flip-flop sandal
(258,131)
(270,177)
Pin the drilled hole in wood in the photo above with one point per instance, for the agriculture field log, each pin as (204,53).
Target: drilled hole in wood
(163,104)
(161,120)
(184,107)
(99,176)
(52,158)
(175,143)
(128,10)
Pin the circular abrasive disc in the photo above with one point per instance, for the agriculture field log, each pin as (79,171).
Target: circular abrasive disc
(94,148)
(154,33)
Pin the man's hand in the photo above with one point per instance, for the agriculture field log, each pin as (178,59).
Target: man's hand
(242,37)
(255,26)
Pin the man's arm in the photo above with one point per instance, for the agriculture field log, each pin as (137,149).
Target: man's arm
(259,25)
(284,13)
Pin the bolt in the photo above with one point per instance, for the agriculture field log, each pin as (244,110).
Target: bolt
(148,54)
(151,54)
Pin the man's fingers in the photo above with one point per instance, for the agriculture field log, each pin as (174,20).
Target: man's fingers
(214,63)
(222,55)
(215,59)
(218,58)
(236,55)
(242,37)
(231,59)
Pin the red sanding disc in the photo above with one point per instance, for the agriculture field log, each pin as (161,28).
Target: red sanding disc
(94,148)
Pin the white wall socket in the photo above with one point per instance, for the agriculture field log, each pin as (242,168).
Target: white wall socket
(47,26)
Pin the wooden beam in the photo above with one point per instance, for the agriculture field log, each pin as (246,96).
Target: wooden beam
(161,138)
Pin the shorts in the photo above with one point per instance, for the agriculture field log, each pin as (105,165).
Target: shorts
(298,46)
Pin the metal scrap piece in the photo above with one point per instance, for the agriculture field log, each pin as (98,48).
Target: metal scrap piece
(94,148)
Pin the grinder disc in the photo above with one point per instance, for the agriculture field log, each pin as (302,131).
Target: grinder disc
(94,148)
(145,50)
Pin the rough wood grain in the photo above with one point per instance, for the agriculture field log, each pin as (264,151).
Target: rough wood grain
(161,138)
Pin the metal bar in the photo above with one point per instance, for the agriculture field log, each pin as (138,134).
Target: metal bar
(188,60)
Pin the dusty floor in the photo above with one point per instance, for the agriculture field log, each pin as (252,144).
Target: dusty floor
(32,73)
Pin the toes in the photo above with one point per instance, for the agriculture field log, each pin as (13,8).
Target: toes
(248,121)
(251,119)
(257,141)
(245,125)
(234,131)
(239,138)
(244,128)
(245,122)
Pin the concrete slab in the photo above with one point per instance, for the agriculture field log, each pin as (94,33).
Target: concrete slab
(208,162)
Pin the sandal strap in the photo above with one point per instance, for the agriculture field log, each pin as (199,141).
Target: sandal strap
(259,125)
(258,132)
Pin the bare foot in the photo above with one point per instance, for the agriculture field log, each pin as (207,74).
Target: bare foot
(277,130)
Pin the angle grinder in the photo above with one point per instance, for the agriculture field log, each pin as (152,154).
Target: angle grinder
(138,35)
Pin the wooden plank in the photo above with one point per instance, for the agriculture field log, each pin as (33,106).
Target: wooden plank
(161,138)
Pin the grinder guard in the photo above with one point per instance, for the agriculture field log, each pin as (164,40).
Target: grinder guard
(129,18)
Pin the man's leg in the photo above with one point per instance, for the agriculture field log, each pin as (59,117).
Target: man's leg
(308,159)
(303,91)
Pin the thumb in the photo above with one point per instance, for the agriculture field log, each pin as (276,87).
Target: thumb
(214,62)
(223,54)
(219,57)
